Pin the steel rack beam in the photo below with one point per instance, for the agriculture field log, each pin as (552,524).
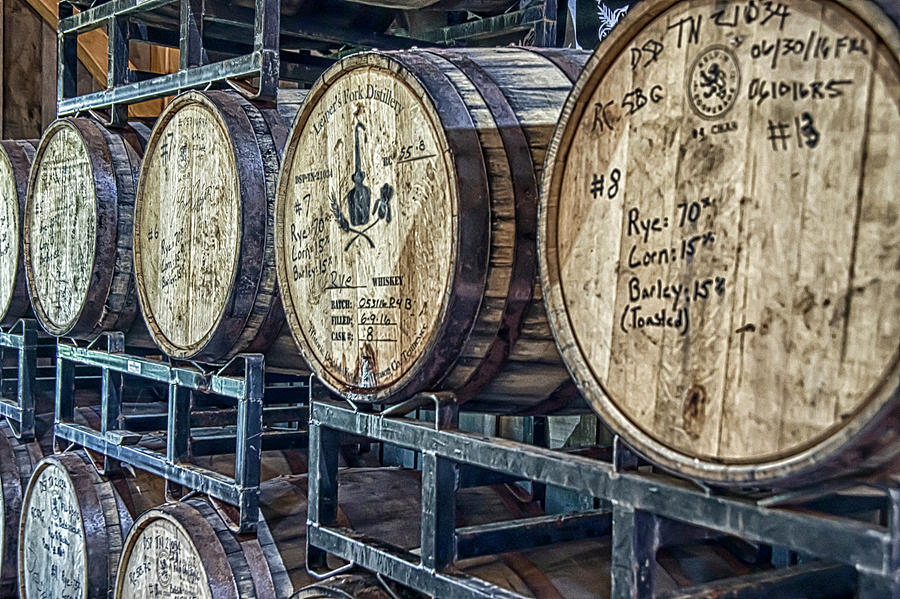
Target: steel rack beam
(190,426)
(644,506)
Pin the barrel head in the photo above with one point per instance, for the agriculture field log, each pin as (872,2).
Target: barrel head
(53,555)
(720,241)
(60,227)
(367,217)
(160,560)
(187,225)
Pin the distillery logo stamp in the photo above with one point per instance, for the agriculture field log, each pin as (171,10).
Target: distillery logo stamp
(713,82)
(359,200)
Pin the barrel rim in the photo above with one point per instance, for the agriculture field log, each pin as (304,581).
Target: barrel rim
(79,478)
(74,124)
(456,316)
(842,445)
(215,336)
(208,550)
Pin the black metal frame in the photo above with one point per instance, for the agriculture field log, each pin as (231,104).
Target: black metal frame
(647,509)
(22,338)
(186,432)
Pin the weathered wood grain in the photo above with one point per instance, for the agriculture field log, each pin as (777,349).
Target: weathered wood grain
(719,242)
(406,225)
(17,461)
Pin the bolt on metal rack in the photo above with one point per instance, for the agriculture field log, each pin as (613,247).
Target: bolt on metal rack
(258,415)
(837,553)
(22,384)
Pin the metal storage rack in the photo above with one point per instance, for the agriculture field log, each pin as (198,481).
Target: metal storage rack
(18,393)
(838,554)
(190,430)
(219,41)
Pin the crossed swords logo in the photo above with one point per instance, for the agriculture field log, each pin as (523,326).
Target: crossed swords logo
(359,199)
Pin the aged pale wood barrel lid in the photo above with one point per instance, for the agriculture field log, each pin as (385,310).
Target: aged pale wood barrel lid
(162,559)
(185,549)
(9,230)
(720,245)
(187,224)
(62,215)
(367,225)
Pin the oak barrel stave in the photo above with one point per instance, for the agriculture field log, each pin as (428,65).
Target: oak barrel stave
(78,227)
(786,371)
(211,201)
(459,254)
(15,164)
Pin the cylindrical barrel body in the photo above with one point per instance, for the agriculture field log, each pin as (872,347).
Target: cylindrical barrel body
(15,162)
(719,241)
(362,585)
(77,229)
(406,218)
(203,233)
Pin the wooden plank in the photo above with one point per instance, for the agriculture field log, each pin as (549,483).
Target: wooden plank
(48,75)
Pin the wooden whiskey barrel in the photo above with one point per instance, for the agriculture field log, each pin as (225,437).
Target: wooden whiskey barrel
(77,229)
(203,235)
(720,251)
(15,162)
(406,219)
(73,525)
(185,547)
(18,459)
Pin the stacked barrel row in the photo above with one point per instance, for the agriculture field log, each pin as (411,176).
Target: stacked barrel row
(200,216)
(712,266)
